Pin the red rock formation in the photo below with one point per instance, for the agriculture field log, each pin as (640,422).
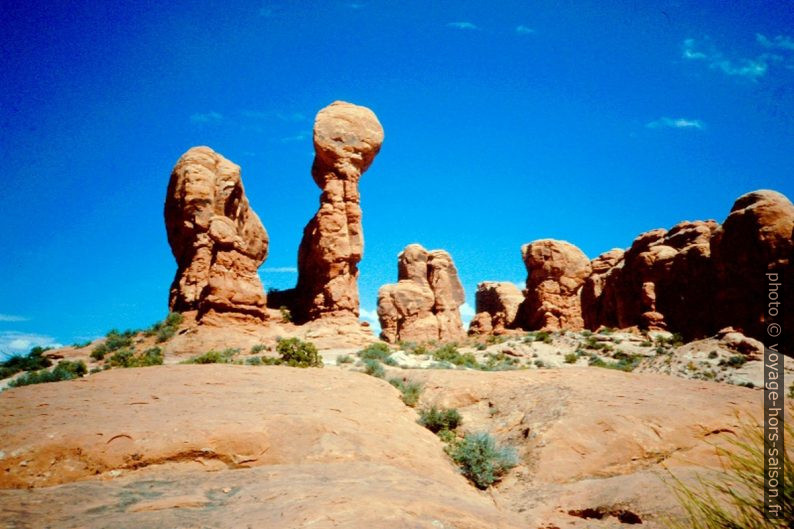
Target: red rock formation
(598,309)
(556,272)
(346,140)
(754,240)
(424,304)
(497,306)
(216,238)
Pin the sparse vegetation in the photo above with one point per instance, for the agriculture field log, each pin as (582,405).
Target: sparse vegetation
(736,498)
(80,345)
(449,353)
(411,391)
(127,358)
(413,348)
(214,357)
(439,419)
(377,351)
(286,315)
(258,348)
(713,355)
(374,368)
(33,361)
(571,358)
(114,341)
(499,362)
(65,370)
(344,359)
(734,361)
(538,336)
(481,460)
(166,329)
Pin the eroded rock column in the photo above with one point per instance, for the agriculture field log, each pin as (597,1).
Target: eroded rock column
(217,239)
(347,138)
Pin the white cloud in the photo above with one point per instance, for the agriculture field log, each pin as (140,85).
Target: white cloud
(782,42)
(370,316)
(466,313)
(280,270)
(11,317)
(676,123)
(462,25)
(208,117)
(524,30)
(297,137)
(749,68)
(13,342)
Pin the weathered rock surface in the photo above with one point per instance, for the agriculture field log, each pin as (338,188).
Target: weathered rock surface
(556,272)
(596,308)
(347,138)
(227,446)
(216,238)
(425,302)
(497,304)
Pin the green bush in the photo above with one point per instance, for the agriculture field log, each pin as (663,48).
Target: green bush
(449,353)
(413,348)
(214,357)
(374,368)
(254,361)
(344,359)
(713,355)
(114,340)
(258,348)
(499,362)
(127,358)
(376,351)
(80,345)
(33,361)
(65,370)
(734,361)
(571,358)
(481,460)
(735,499)
(439,419)
(286,315)
(411,391)
(297,353)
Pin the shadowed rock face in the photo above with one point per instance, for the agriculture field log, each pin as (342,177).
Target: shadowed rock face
(217,239)
(347,138)
(698,277)
(556,272)
(754,240)
(424,304)
(497,305)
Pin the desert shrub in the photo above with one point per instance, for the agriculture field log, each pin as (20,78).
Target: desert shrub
(297,353)
(713,355)
(606,330)
(127,358)
(449,353)
(481,347)
(80,345)
(376,351)
(114,340)
(734,361)
(65,370)
(411,391)
(254,361)
(494,339)
(258,348)
(481,460)
(499,362)
(543,336)
(214,357)
(374,368)
(735,499)
(439,419)
(676,340)
(286,315)
(413,348)
(571,358)
(646,343)
(344,359)
(540,364)
(33,361)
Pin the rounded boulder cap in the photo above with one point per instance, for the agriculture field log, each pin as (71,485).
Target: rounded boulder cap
(347,134)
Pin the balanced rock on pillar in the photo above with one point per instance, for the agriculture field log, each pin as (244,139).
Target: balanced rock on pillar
(217,239)
(347,138)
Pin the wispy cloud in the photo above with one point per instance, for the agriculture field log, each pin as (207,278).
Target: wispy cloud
(297,137)
(676,123)
(462,25)
(11,317)
(781,42)
(466,313)
(208,117)
(524,30)
(280,270)
(370,316)
(716,60)
(12,342)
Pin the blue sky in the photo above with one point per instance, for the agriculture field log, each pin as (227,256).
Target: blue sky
(505,122)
